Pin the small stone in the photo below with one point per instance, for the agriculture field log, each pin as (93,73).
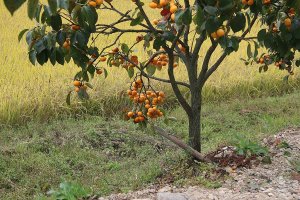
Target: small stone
(270,194)
(212,197)
(170,196)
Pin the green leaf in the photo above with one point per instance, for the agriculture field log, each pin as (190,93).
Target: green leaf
(137,20)
(211,10)
(212,24)
(286,78)
(68,99)
(105,73)
(21,34)
(199,17)
(64,4)
(32,56)
(261,35)
(42,57)
(60,56)
(56,22)
(187,17)
(32,6)
(81,38)
(168,35)
(130,72)
(90,14)
(255,50)
(53,5)
(125,48)
(249,53)
(151,69)
(13,5)
(53,57)
(39,46)
(179,17)
(158,42)
(226,5)
(38,13)
(238,23)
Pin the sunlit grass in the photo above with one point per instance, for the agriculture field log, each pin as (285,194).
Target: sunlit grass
(38,92)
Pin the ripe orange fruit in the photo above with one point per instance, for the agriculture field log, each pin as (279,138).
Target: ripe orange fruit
(153,5)
(173,9)
(102,58)
(250,2)
(261,60)
(151,110)
(77,83)
(65,44)
(214,35)
(99,71)
(75,27)
(244,2)
(141,118)
(147,106)
(130,114)
(92,4)
(139,113)
(173,17)
(99,2)
(163,56)
(115,50)
(163,3)
(155,21)
(77,89)
(164,63)
(139,81)
(288,22)
(220,32)
(134,93)
(136,120)
(162,94)
(139,38)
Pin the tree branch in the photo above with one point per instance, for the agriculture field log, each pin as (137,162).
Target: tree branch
(175,88)
(181,144)
(210,51)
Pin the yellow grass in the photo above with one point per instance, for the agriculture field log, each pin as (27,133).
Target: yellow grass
(38,92)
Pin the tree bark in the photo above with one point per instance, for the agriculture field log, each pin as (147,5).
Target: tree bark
(195,120)
(182,145)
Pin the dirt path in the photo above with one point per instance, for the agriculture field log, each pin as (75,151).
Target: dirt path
(276,181)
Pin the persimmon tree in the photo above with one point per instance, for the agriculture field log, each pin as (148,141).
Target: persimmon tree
(68,30)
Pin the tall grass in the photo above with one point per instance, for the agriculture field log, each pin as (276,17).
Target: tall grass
(38,92)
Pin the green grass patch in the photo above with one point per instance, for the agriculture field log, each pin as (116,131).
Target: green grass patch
(115,156)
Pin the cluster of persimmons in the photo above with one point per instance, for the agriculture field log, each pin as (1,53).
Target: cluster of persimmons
(146,102)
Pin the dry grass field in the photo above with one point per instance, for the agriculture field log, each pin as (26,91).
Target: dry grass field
(38,92)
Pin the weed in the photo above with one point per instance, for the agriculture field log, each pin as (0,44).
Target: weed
(69,191)
(296,165)
(249,148)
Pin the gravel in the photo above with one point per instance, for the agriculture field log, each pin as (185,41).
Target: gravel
(264,182)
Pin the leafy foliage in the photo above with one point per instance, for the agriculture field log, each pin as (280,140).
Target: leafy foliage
(69,191)
(296,165)
(249,148)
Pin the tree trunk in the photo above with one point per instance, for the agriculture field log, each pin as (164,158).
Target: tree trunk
(195,120)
